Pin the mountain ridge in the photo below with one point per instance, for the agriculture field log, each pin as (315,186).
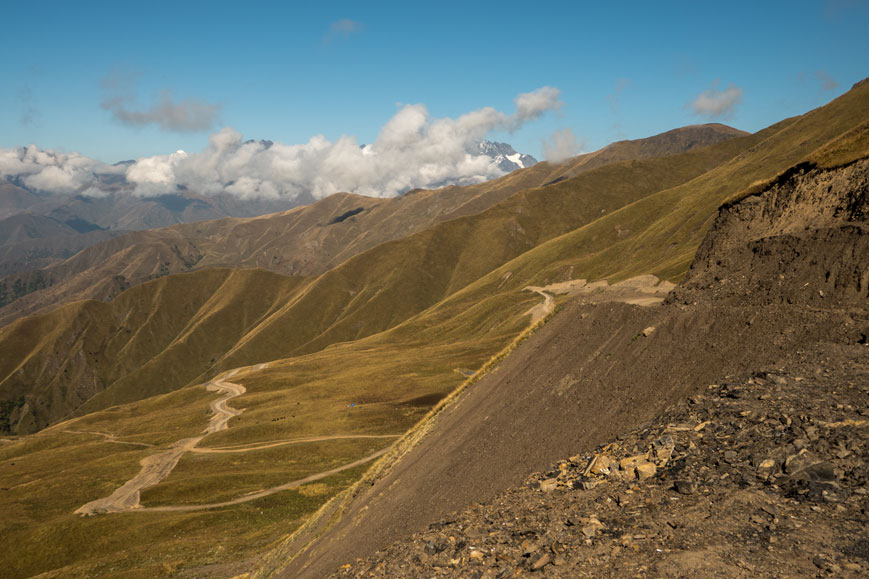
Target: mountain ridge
(372,346)
(297,244)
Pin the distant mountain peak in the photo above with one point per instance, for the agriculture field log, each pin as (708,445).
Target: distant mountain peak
(504,155)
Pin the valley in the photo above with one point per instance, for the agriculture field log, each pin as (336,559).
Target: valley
(290,393)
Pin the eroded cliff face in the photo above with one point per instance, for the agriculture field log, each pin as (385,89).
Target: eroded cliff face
(802,240)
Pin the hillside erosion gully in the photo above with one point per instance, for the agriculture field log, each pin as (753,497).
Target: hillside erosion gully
(598,370)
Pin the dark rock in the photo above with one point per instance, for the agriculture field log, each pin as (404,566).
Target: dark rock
(685,487)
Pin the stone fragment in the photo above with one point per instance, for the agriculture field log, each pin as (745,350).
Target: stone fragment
(630,462)
(685,487)
(548,485)
(663,449)
(541,562)
(766,468)
(649,331)
(600,464)
(645,470)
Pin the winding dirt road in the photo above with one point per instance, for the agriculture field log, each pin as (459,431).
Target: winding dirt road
(157,467)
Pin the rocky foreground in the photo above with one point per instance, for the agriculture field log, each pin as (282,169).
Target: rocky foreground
(763,475)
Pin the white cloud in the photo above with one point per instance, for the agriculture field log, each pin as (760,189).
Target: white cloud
(560,146)
(532,105)
(412,150)
(54,172)
(715,103)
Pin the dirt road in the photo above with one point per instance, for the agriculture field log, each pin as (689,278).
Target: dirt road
(273,490)
(109,437)
(158,466)
(246,448)
(643,290)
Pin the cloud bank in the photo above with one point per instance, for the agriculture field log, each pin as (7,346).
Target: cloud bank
(715,103)
(52,172)
(412,150)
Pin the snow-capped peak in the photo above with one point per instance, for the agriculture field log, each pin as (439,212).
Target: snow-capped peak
(505,156)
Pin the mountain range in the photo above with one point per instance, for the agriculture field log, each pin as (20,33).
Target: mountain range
(41,227)
(470,323)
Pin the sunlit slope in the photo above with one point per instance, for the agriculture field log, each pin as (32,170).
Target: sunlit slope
(390,283)
(312,239)
(619,220)
(381,383)
(367,294)
(660,233)
(351,389)
(657,234)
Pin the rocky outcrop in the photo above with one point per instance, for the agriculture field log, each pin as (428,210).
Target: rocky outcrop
(802,240)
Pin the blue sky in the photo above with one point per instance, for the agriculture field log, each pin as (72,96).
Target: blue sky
(89,76)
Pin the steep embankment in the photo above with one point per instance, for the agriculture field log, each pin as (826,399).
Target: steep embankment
(776,456)
(312,239)
(785,234)
(774,451)
(554,394)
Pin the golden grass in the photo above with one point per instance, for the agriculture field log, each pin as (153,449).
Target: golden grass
(384,332)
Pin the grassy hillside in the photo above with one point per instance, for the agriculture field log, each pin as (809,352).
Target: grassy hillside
(252,318)
(368,348)
(163,333)
(312,239)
